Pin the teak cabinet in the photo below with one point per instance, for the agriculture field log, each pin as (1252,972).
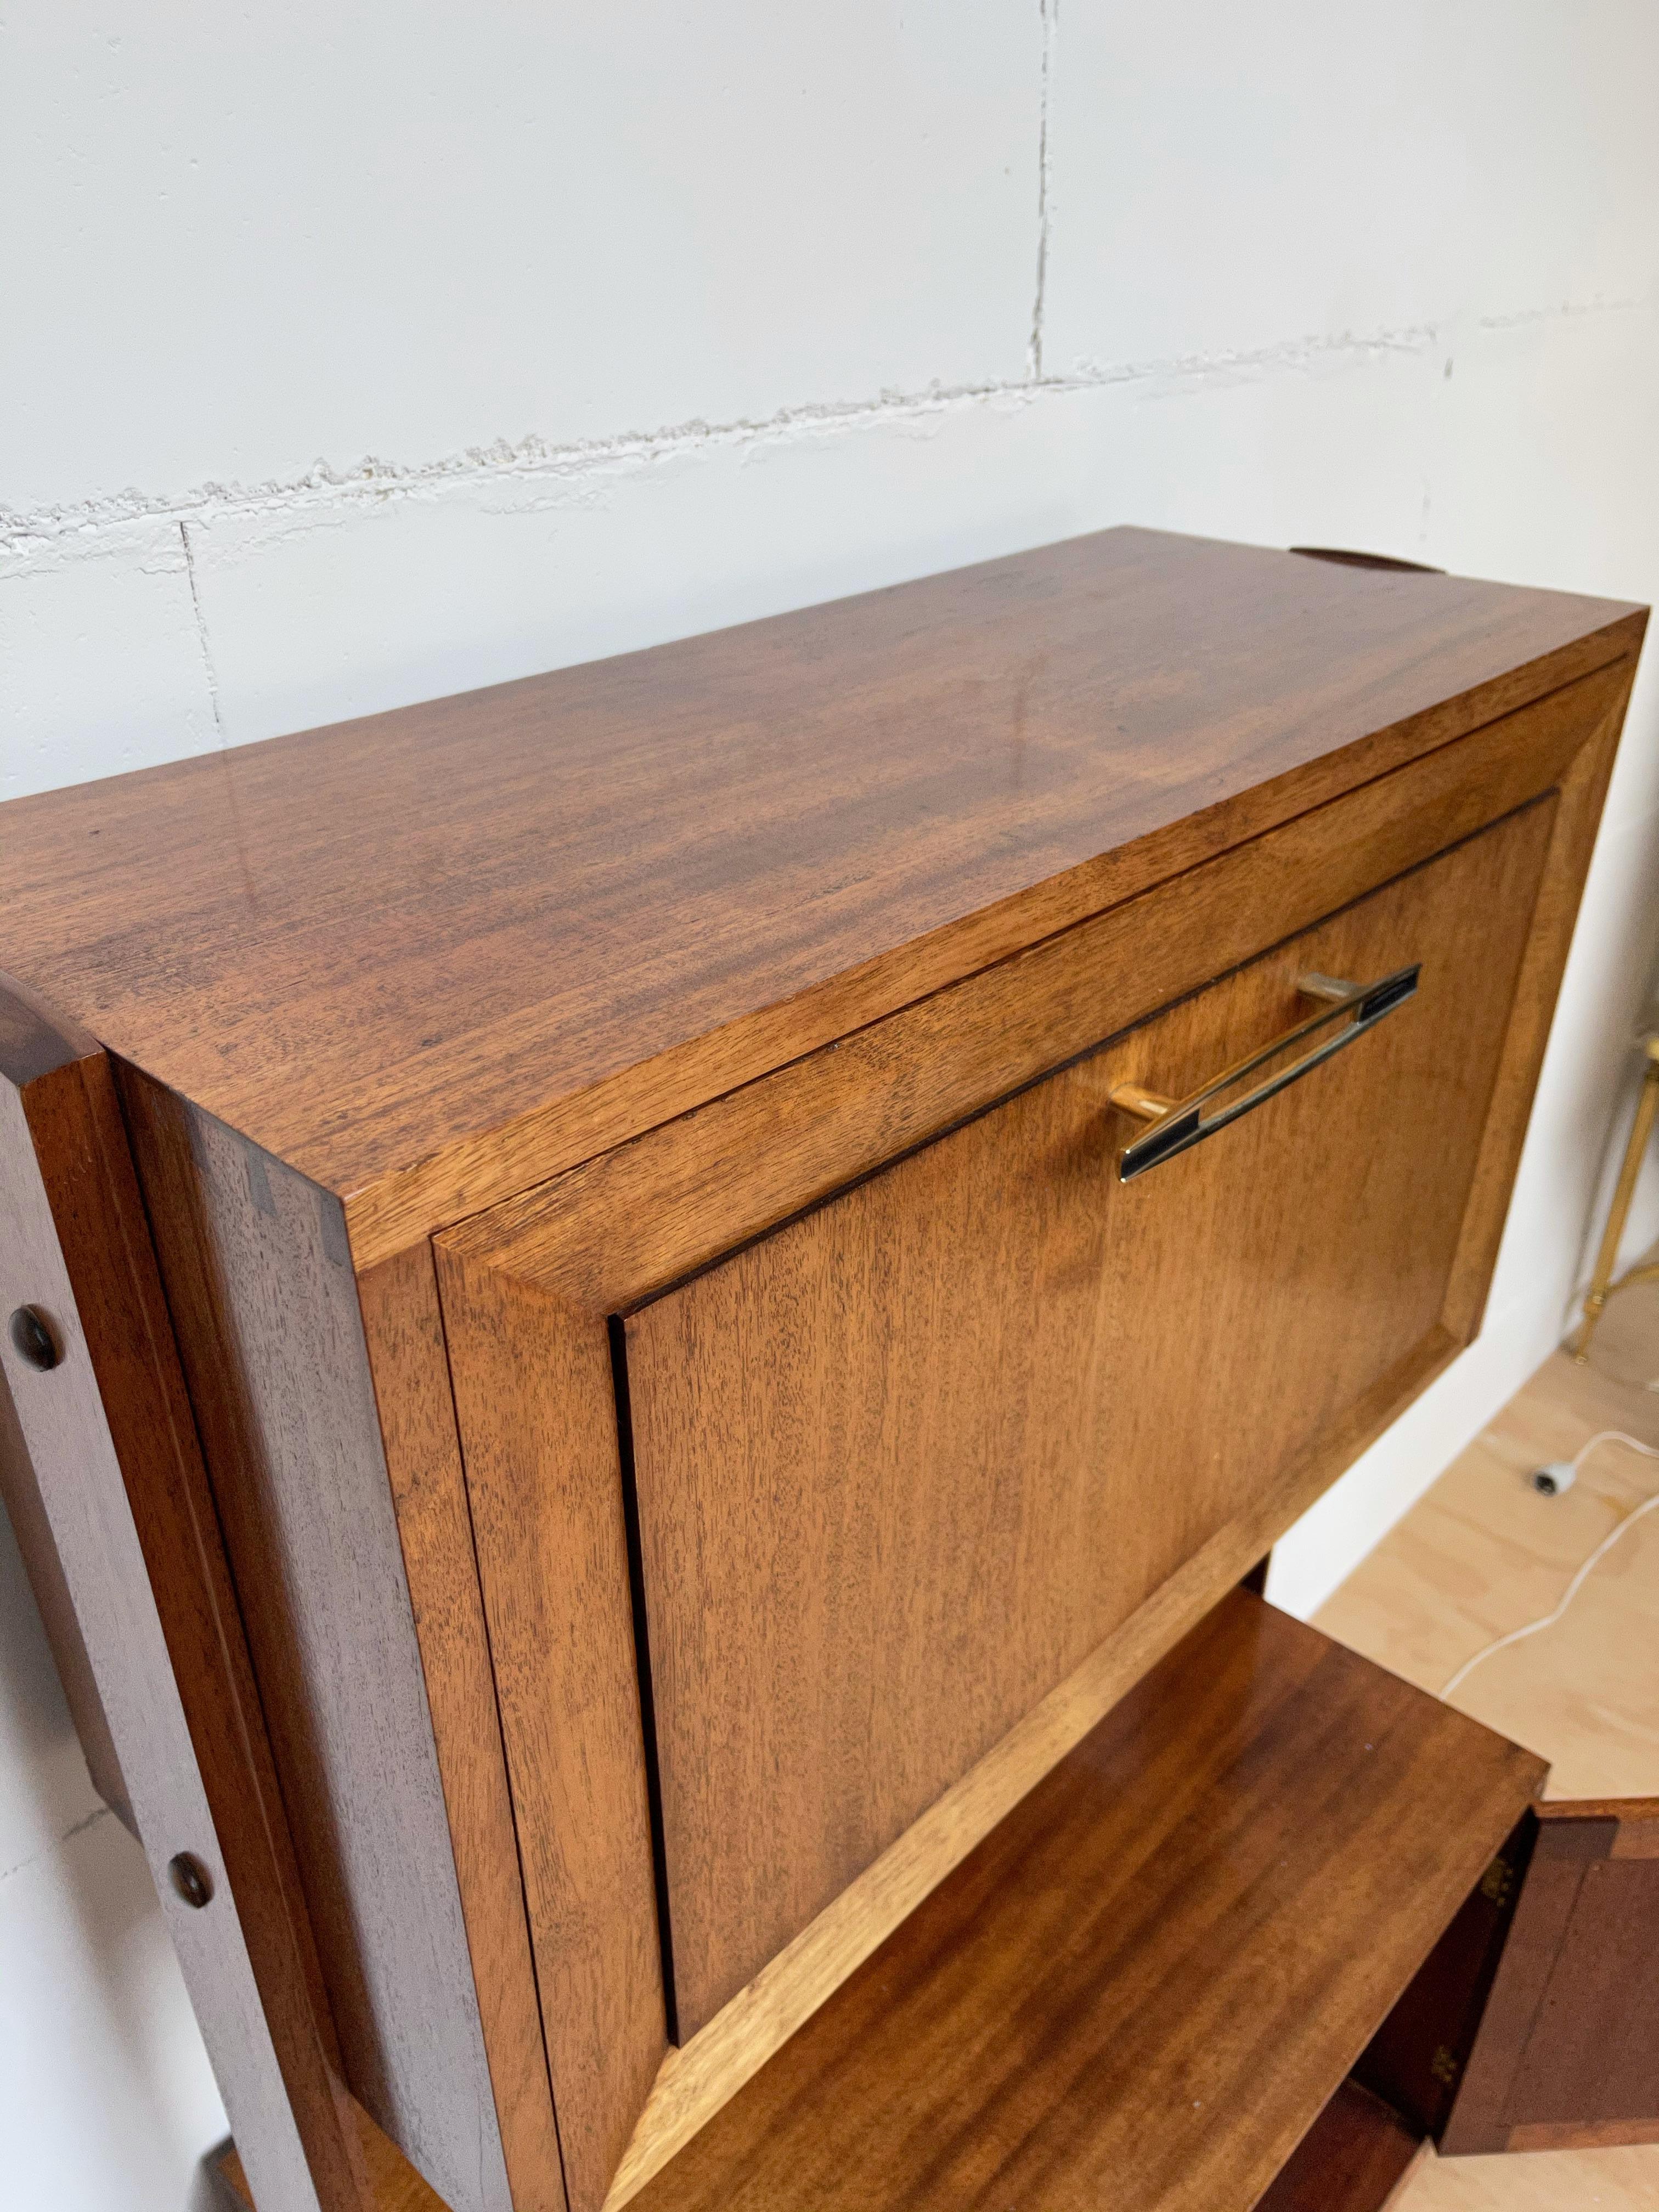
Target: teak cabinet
(656,1312)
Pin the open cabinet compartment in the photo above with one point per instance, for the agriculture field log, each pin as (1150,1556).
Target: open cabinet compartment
(1143,1987)
(1534,2025)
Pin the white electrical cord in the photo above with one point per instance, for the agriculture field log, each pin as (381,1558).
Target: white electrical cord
(1532,1628)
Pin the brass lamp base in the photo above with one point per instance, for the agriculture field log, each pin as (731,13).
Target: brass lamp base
(1602,1284)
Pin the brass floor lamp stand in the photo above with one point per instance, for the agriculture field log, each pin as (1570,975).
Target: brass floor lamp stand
(1603,1285)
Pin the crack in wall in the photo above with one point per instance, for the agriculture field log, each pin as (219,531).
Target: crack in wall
(1568,310)
(212,675)
(77,1828)
(374,480)
(1050,14)
(85,526)
(208,668)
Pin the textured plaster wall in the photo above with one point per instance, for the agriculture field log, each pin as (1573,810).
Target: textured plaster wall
(354,357)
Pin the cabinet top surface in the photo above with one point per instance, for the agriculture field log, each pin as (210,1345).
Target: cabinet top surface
(369,947)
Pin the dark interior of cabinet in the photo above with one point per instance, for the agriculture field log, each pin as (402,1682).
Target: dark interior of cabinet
(1416,2059)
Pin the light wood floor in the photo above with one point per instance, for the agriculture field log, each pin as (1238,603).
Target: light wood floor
(1480,1555)
(1537,2181)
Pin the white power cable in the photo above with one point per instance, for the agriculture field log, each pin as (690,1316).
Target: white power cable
(1549,1619)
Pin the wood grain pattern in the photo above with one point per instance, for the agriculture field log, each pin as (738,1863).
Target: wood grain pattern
(1581,2135)
(613,1230)
(697,2079)
(1143,1986)
(1578,815)
(902,1465)
(538,1420)
(424,962)
(403,1330)
(264,1306)
(433,956)
(620,1227)
(115,1471)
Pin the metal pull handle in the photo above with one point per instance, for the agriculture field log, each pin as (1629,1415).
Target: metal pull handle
(1178,1124)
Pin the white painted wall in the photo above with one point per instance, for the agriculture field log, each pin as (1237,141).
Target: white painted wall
(353,356)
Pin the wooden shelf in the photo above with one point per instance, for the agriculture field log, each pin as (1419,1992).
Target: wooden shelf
(1141,1990)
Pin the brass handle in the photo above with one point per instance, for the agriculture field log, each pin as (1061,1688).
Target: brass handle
(1178,1124)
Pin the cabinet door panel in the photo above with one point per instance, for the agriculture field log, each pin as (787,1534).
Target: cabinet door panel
(903,1463)
(1566,2053)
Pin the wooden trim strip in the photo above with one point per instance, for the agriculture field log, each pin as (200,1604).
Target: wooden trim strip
(1574,2135)
(402,1330)
(538,1422)
(1635,1810)
(1582,786)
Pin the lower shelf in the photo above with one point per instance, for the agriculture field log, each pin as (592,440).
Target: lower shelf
(1142,1988)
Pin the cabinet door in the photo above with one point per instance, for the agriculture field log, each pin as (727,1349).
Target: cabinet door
(1567,2050)
(1533,2024)
(903,1464)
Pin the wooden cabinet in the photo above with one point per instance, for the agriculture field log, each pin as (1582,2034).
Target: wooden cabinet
(902,1464)
(753,1239)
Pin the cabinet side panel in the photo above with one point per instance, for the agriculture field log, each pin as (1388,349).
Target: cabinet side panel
(537,1408)
(265,1304)
(404,1330)
(1599,712)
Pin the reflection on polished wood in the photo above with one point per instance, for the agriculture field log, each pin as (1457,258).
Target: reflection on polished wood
(610,1236)
(891,1460)
(431,956)
(695,1422)
(1143,1987)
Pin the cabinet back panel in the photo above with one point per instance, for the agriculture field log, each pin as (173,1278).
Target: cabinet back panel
(903,1464)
